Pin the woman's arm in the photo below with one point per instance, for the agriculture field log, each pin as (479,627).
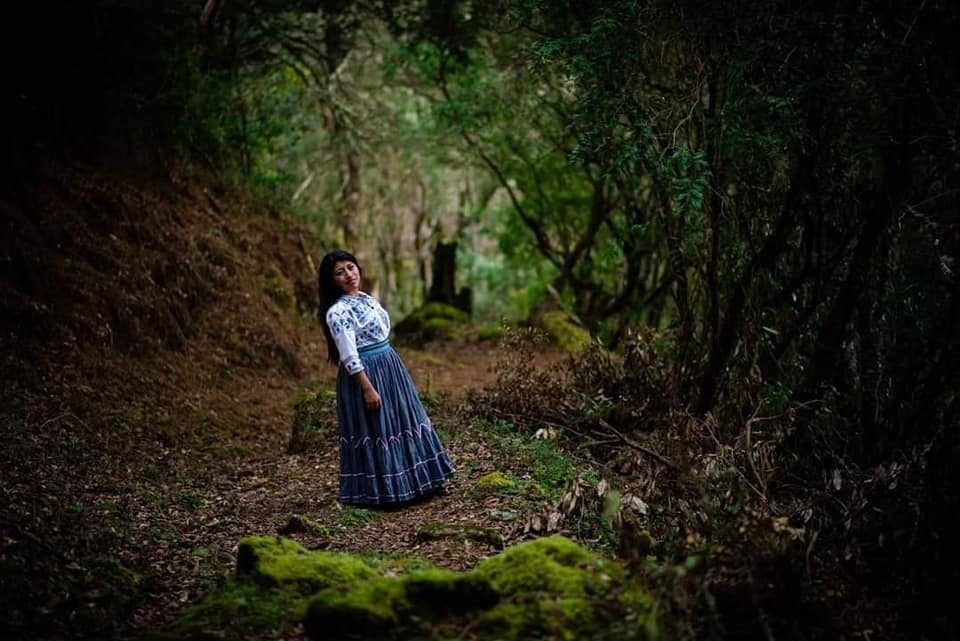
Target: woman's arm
(342,329)
(370,395)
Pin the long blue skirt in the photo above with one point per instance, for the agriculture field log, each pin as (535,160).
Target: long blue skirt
(390,455)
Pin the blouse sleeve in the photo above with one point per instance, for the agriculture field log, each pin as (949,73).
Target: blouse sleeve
(343,328)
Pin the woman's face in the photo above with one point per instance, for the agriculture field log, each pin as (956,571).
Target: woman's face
(346,274)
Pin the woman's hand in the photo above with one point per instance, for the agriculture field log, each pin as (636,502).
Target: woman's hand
(371,398)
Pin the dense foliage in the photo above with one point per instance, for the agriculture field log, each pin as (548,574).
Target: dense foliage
(766,193)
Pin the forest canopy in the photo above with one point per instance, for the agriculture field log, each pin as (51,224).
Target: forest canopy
(771,183)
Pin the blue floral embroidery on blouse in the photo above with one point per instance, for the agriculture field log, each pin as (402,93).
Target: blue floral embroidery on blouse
(354,322)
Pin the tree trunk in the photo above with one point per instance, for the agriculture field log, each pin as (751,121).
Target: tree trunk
(443,289)
(826,353)
(728,335)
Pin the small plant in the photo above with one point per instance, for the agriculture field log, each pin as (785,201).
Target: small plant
(431,399)
(551,468)
(352,516)
(314,417)
(277,286)
(776,397)
(189,499)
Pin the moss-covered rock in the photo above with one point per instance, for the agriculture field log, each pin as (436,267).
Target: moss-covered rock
(276,561)
(368,611)
(549,588)
(235,609)
(442,329)
(397,608)
(491,332)
(569,337)
(275,580)
(299,523)
(447,312)
(443,593)
(492,482)
(433,321)
(553,585)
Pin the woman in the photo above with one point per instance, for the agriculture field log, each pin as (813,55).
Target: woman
(389,452)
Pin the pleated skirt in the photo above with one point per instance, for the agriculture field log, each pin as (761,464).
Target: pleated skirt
(391,455)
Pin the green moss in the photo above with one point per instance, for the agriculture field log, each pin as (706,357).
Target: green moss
(569,337)
(392,608)
(241,605)
(393,565)
(446,312)
(490,332)
(301,523)
(352,516)
(547,588)
(278,287)
(432,321)
(442,328)
(367,611)
(308,396)
(441,593)
(549,468)
(551,587)
(552,470)
(274,561)
(555,565)
(276,578)
(562,618)
(492,482)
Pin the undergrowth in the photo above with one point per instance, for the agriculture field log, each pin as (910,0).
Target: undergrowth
(711,510)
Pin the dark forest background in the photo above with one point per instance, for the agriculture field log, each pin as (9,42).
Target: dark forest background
(752,207)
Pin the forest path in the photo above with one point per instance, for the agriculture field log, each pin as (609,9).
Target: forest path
(151,369)
(267,492)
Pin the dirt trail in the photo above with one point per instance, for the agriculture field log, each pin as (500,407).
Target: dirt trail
(156,335)
(259,494)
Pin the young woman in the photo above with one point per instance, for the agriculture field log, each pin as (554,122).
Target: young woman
(389,452)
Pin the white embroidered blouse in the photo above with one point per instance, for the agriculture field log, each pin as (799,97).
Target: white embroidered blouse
(355,322)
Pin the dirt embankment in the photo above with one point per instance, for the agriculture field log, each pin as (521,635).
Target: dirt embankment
(156,333)
(121,294)
(153,332)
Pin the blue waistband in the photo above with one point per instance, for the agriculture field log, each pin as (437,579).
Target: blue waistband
(376,348)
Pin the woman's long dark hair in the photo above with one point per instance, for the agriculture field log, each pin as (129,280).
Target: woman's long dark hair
(330,293)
